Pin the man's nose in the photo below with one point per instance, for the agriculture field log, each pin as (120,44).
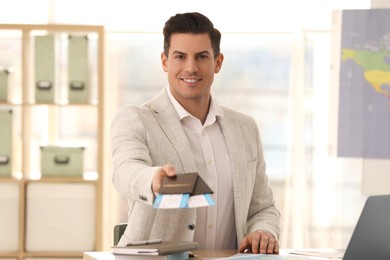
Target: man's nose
(191,65)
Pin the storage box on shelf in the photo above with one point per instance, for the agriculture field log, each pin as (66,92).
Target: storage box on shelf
(44,57)
(79,85)
(57,161)
(3,84)
(52,210)
(6,142)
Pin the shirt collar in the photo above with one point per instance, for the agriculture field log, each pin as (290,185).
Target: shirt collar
(215,109)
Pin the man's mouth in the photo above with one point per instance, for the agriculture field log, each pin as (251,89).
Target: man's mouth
(190,80)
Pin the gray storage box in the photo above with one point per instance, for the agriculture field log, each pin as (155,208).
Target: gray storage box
(45,68)
(59,161)
(78,69)
(3,84)
(6,142)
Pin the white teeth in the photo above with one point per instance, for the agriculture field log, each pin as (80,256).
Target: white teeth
(190,80)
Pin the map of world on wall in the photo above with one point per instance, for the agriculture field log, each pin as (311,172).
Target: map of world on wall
(364,97)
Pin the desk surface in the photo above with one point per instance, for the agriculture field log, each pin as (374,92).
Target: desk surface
(199,253)
(214,253)
(285,254)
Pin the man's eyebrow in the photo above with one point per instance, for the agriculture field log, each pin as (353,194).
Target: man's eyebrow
(178,52)
(203,52)
(198,53)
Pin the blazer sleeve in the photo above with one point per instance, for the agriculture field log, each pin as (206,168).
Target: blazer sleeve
(132,166)
(263,213)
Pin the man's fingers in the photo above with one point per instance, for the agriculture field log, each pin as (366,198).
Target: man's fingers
(276,247)
(264,243)
(166,170)
(255,244)
(271,246)
(169,170)
(259,242)
(243,245)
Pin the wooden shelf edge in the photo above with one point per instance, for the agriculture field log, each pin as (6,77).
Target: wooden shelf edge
(54,27)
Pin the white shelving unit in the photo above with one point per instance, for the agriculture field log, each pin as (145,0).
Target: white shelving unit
(51,217)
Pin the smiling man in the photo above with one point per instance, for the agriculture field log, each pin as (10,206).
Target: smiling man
(191,66)
(183,129)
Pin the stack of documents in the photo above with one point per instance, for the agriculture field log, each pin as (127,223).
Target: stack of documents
(154,250)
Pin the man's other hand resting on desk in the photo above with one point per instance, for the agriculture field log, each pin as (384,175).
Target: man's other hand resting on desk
(259,242)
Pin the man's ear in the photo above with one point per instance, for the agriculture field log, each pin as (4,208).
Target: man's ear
(164,61)
(218,63)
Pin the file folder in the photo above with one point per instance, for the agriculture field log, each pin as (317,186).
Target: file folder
(78,69)
(6,142)
(45,68)
(3,84)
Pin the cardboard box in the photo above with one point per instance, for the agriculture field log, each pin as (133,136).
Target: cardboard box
(59,161)
(6,142)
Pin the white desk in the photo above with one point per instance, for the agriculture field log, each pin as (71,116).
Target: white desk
(285,254)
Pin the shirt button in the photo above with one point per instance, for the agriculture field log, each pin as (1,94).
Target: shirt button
(191,226)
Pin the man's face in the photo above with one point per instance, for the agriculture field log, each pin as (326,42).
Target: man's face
(190,66)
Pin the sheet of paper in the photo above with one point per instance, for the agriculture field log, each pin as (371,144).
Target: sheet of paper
(284,255)
(262,256)
(328,253)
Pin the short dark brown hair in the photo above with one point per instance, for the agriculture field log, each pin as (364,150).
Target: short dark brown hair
(194,23)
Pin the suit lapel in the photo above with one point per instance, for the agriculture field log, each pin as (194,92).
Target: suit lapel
(169,122)
(236,146)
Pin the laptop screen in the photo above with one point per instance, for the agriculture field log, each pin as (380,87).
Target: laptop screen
(371,238)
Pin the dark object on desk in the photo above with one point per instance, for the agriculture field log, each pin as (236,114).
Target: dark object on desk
(119,229)
(371,237)
(163,248)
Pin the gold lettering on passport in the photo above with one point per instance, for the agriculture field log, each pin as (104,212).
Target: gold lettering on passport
(174,185)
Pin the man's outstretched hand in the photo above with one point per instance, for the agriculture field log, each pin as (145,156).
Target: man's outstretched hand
(166,170)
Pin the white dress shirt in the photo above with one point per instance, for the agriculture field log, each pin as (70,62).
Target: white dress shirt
(215,227)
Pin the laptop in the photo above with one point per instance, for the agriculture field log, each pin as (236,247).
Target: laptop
(371,238)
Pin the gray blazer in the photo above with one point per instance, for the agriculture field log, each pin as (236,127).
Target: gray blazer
(149,136)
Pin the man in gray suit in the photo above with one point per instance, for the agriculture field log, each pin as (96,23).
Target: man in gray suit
(183,129)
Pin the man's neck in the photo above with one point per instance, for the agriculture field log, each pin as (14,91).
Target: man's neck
(197,108)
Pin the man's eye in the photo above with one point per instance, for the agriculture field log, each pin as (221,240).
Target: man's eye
(179,57)
(203,57)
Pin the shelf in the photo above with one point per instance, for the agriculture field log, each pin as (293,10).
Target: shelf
(36,124)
